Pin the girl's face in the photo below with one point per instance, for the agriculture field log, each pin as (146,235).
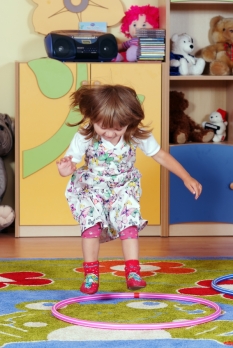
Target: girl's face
(113,135)
(139,23)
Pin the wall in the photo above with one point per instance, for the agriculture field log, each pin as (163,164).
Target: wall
(19,42)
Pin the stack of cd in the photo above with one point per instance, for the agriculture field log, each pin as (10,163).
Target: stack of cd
(151,44)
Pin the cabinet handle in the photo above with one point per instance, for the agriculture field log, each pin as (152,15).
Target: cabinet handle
(231,185)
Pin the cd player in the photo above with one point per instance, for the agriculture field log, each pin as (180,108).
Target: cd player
(81,46)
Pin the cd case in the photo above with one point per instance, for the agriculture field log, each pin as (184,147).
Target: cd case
(97,26)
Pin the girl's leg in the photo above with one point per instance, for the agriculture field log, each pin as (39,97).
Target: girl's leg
(130,247)
(90,247)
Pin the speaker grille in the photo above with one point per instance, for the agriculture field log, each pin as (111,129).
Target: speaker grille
(63,47)
(107,47)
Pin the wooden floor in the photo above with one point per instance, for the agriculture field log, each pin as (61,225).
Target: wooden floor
(70,247)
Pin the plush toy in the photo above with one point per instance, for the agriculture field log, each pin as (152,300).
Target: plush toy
(7,214)
(181,61)
(182,128)
(136,17)
(218,124)
(220,53)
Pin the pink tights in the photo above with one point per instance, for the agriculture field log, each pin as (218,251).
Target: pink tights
(130,232)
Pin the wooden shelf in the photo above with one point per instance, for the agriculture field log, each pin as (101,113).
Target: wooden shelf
(205,93)
(222,143)
(200,2)
(201,78)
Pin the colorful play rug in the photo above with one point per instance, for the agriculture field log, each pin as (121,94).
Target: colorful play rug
(30,287)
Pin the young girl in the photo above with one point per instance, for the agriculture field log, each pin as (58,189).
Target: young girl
(104,195)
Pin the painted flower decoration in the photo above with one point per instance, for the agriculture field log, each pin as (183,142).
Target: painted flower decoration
(147,269)
(23,279)
(51,15)
(204,288)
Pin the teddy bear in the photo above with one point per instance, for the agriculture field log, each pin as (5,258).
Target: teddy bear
(220,53)
(136,17)
(7,214)
(182,128)
(181,61)
(218,124)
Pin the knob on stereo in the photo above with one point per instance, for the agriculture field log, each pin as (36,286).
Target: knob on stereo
(231,185)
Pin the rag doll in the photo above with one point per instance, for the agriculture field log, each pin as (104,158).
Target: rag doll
(136,17)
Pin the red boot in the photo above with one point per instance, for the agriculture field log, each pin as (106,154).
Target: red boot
(91,281)
(132,274)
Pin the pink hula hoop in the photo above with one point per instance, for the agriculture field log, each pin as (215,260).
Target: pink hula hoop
(105,325)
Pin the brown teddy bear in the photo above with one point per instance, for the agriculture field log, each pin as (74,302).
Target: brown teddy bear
(182,128)
(220,53)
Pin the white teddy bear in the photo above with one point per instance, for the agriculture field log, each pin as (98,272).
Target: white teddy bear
(181,61)
(218,124)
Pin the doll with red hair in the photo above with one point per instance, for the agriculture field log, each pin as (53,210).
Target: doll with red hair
(136,17)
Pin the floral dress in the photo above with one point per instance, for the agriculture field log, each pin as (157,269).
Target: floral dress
(107,188)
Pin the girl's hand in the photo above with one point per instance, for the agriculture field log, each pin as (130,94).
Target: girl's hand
(65,166)
(165,159)
(193,186)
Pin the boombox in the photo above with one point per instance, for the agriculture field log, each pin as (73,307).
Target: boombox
(81,46)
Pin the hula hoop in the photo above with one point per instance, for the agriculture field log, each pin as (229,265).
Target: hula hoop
(219,288)
(105,325)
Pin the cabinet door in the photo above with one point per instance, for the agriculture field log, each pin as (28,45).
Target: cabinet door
(44,137)
(45,86)
(212,166)
(146,80)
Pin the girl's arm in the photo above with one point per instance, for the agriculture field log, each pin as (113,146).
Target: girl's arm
(65,166)
(75,152)
(169,162)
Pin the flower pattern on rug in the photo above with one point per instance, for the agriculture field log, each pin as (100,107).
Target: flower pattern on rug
(25,308)
(204,288)
(116,267)
(23,279)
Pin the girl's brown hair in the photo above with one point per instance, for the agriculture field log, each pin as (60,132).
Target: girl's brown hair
(112,106)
